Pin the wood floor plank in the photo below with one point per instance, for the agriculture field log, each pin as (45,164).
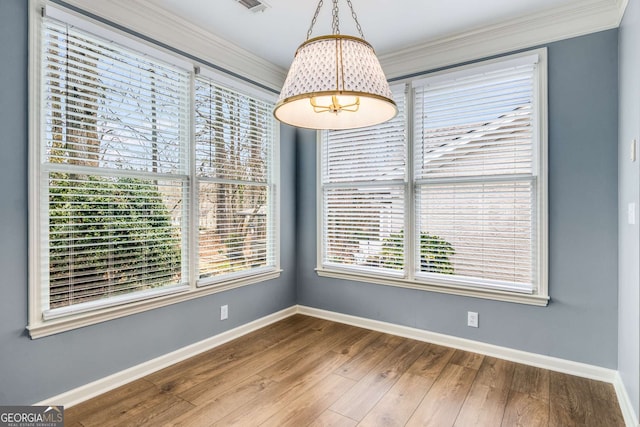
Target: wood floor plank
(308,406)
(428,367)
(264,406)
(219,379)
(332,419)
(397,405)
(525,410)
(442,403)
(211,411)
(603,391)
(606,413)
(432,361)
(251,343)
(133,408)
(305,371)
(496,373)
(334,338)
(531,380)
(191,373)
(365,360)
(358,401)
(358,343)
(157,416)
(117,398)
(571,403)
(467,359)
(484,406)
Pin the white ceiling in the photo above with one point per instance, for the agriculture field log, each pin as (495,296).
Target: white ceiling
(389,25)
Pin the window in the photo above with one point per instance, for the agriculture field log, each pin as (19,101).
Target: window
(234,146)
(126,207)
(475,203)
(363,194)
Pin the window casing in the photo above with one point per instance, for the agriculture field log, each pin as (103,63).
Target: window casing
(120,181)
(470,188)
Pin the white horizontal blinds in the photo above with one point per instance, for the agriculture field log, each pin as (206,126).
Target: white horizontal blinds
(376,153)
(110,107)
(479,232)
(109,237)
(475,184)
(363,185)
(364,226)
(114,170)
(234,162)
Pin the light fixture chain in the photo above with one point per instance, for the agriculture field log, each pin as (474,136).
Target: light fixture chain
(355,18)
(315,18)
(335,22)
(336,18)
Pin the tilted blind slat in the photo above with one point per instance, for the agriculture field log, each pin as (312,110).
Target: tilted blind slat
(488,226)
(234,151)
(109,107)
(476,147)
(234,134)
(478,120)
(366,154)
(111,236)
(477,127)
(117,178)
(234,229)
(363,225)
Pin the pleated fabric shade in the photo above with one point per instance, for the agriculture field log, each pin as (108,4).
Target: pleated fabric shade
(335,82)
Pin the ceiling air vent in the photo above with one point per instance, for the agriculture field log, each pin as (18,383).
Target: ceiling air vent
(254,5)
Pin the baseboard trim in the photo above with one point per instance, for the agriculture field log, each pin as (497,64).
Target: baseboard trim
(103,385)
(541,361)
(629,414)
(519,356)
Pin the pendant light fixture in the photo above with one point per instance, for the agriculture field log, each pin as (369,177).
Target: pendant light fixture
(335,82)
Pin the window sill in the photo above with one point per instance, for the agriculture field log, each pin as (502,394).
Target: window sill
(537,300)
(54,326)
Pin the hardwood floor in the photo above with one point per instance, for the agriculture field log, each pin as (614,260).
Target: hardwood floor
(304,371)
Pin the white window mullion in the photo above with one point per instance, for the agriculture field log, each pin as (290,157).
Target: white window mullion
(191,246)
(410,219)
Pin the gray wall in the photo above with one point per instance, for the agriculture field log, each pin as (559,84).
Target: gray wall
(32,370)
(629,192)
(581,320)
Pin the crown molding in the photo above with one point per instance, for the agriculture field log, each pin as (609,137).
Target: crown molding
(572,20)
(622,7)
(575,19)
(144,18)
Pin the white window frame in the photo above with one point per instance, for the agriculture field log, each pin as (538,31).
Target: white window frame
(540,297)
(125,305)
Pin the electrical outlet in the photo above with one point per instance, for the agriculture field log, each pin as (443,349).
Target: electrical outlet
(224,312)
(472,319)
